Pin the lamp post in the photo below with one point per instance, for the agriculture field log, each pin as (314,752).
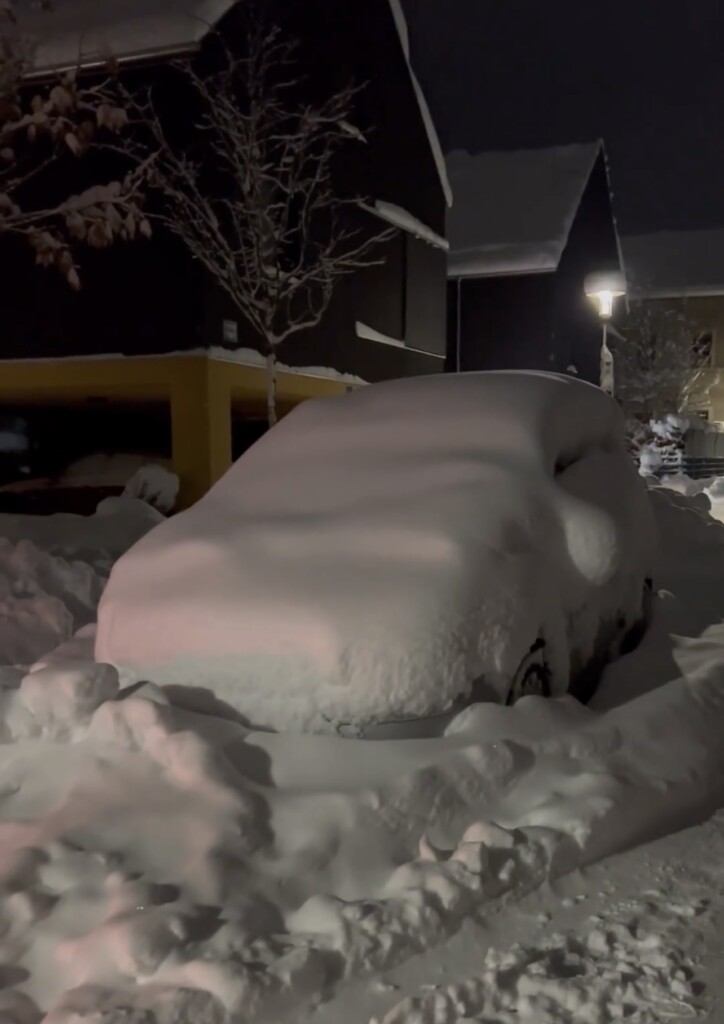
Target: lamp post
(603,289)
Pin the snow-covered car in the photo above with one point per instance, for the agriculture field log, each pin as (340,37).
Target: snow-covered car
(393,554)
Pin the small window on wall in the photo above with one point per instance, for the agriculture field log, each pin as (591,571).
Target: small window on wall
(704,348)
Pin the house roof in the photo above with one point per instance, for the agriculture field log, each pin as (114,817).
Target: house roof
(514,210)
(88,31)
(669,264)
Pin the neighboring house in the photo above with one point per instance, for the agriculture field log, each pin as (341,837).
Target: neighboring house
(684,271)
(150,336)
(527,228)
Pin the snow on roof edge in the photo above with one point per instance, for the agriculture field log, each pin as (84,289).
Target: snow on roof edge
(241,356)
(672,263)
(470,271)
(597,151)
(502,257)
(685,292)
(406,221)
(617,233)
(64,48)
(433,138)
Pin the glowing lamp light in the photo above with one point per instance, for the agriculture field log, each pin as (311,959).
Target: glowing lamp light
(603,289)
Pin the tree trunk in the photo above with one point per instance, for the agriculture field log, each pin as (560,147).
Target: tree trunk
(271,385)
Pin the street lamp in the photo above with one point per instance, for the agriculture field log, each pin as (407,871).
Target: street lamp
(603,288)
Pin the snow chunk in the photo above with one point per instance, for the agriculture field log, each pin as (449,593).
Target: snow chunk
(370,334)
(61,695)
(106,469)
(155,485)
(407,222)
(43,599)
(375,553)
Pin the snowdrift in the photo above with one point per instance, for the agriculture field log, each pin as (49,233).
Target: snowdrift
(375,554)
(52,573)
(162,865)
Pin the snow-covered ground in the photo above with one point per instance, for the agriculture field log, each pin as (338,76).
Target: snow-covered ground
(636,937)
(159,862)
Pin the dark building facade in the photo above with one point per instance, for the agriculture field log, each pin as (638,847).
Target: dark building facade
(149,324)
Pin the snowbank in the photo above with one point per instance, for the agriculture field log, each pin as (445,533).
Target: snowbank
(99,539)
(162,862)
(375,554)
(53,570)
(156,485)
(43,600)
(711,488)
(634,938)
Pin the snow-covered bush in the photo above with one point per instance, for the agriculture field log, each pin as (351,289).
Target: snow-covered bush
(661,367)
(658,444)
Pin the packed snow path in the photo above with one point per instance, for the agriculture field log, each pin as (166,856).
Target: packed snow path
(636,937)
(160,862)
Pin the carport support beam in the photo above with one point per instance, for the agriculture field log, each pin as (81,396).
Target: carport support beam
(200,429)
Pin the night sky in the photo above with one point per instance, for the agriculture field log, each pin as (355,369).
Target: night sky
(645,75)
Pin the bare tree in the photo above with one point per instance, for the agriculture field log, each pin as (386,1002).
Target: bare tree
(39,126)
(664,365)
(253,196)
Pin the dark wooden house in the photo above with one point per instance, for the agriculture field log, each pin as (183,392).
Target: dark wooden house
(150,332)
(526,229)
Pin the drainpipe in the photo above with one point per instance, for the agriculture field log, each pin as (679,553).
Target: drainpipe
(458,325)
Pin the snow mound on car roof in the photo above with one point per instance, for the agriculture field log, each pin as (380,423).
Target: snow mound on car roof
(375,553)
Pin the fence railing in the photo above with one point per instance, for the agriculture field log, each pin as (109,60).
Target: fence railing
(698,468)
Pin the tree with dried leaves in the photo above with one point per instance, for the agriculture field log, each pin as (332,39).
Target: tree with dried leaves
(253,196)
(663,367)
(39,125)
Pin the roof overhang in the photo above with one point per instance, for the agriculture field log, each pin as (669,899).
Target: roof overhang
(693,292)
(532,248)
(85,33)
(674,264)
(469,269)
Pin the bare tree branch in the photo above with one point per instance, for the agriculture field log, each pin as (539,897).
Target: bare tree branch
(264,216)
(662,367)
(37,129)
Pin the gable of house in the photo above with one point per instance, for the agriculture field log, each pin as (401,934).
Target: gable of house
(538,222)
(514,210)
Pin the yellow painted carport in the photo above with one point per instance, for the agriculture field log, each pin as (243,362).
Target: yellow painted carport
(199,389)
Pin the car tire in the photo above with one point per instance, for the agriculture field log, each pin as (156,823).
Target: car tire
(625,640)
(635,634)
(533,678)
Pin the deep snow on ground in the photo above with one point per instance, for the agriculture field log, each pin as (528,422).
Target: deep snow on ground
(53,570)
(159,862)
(636,937)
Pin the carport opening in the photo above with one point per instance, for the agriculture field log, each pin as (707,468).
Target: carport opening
(67,456)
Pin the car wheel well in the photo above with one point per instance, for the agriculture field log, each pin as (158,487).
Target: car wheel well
(533,676)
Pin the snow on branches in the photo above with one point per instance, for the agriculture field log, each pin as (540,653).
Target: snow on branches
(39,124)
(253,194)
(664,365)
